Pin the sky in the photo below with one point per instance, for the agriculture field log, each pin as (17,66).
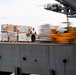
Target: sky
(29,13)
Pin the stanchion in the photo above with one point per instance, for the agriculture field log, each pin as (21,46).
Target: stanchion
(17,71)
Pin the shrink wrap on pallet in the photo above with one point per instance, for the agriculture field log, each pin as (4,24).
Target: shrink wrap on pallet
(12,37)
(16,28)
(4,27)
(45,33)
(13,33)
(4,37)
(22,37)
(23,29)
(10,28)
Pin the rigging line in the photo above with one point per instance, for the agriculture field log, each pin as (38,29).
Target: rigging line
(67,18)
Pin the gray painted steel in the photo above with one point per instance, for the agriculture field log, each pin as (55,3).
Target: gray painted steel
(38,58)
(71,2)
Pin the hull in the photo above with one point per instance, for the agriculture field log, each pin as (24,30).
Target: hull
(38,58)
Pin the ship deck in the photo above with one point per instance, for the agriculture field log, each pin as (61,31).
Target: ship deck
(38,43)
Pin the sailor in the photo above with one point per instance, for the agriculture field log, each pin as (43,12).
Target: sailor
(33,35)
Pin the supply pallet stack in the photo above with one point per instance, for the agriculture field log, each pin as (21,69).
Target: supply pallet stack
(14,33)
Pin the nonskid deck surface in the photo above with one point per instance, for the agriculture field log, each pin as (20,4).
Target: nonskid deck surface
(38,43)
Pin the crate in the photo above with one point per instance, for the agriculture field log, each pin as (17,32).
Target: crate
(4,27)
(4,37)
(22,37)
(13,37)
(16,28)
(23,29)
(10,28)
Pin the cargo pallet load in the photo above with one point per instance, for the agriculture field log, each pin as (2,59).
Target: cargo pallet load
(14,33)
(58,34)
(4,33)
(45,32)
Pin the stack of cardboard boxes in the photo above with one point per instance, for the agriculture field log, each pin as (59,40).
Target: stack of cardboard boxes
(13,33)
(22,33)
(4,33)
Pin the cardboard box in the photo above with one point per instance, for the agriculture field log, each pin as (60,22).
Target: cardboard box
(4,27)
(22,37)
(13,37)
(10,28)
(4,37)
(23,29)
